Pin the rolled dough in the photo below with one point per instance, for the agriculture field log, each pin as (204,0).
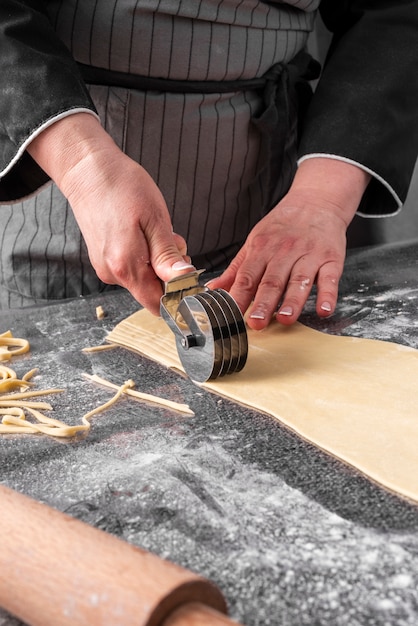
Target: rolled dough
(355,398)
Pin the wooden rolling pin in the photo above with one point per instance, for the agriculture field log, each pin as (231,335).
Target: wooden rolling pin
(58,571)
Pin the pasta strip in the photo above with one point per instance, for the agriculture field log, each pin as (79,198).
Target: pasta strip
(25,405)
(13,412)
(11,383)
(8,341)
(8,429)
(5,354)
(33,427)
(176,406)
(20,346)
(30,394)
(7,372)
(104,346)
(29,374)
(44,419)
(120,390)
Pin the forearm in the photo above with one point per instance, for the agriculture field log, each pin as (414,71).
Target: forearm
(364,108)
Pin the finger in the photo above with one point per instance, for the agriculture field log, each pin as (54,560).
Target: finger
(300,286)
(267,297)
(138,276)
(295,297)
(241,278)
(147,289)
(327,289)
(250,278)
(141,281)
(227,278)
(165,257)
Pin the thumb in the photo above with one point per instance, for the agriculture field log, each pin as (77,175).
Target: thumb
(171,258)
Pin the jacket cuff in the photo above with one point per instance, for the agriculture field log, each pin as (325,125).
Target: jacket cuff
(21,176)
(379,199)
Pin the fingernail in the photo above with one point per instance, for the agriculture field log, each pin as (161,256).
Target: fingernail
(286,310)
(325,306)
(181,265)
(257,315)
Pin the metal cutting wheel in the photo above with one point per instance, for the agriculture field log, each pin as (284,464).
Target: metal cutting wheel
(209,328)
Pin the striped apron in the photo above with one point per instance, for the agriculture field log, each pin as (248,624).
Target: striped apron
(185,88)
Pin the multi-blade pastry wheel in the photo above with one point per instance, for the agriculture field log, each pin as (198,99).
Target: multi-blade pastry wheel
(209,328)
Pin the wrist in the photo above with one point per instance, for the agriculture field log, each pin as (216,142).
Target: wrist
(62,148)
(332,182)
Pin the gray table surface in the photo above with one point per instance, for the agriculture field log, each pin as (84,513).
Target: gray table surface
(291,536)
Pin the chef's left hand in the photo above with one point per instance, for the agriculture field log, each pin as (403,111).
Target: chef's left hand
(302,241)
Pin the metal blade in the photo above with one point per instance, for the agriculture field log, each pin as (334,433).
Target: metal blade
(203,361)
(238,330)
(224,330)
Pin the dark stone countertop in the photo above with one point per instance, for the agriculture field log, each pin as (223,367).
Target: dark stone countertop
(291,536)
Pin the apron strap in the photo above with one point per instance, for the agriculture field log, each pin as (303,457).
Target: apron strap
(281,86)
(286,84)
(301,66)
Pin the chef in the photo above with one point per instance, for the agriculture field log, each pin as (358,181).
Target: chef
(140,138)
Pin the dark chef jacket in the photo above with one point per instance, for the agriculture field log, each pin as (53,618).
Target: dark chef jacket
(364,109)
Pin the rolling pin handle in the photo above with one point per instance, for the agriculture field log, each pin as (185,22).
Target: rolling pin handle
(197,614)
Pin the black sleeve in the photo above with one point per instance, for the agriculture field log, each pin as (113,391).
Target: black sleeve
(365,107)
(39,80)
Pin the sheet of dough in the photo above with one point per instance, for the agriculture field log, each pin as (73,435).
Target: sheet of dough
(355,398)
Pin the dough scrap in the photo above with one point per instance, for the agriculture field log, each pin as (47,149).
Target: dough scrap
(356,399)
(100,314)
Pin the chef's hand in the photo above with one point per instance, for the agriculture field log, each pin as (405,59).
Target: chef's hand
(302,241)
(118,207)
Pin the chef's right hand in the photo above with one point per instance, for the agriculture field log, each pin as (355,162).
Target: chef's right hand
(120,210)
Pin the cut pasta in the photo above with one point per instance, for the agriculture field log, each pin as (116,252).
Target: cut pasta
(53,427)
(176,406)
(104,346)
(15,406)
(11,346)
(12,383)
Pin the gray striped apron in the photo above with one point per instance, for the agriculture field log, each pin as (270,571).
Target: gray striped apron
(203,130)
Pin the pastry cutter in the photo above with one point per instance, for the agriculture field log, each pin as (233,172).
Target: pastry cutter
(209,328)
